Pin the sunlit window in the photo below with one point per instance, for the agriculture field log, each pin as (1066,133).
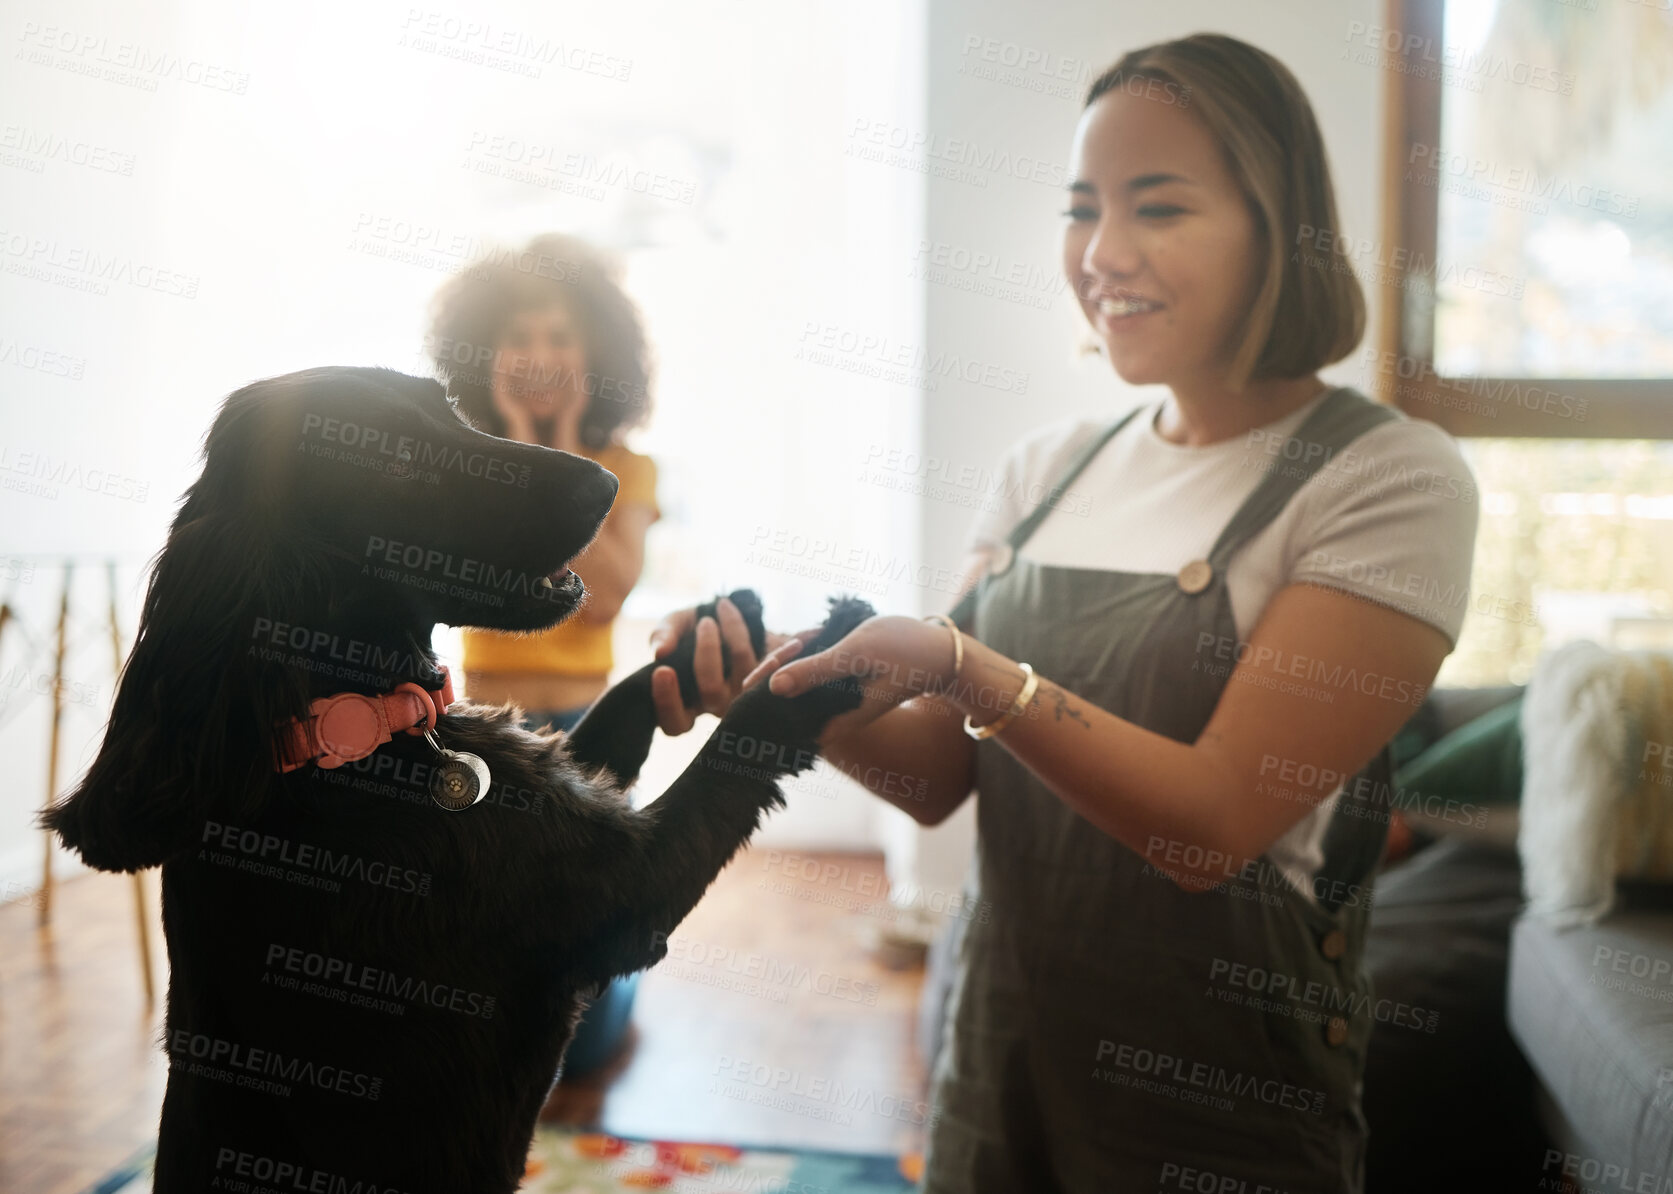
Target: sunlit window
(1575,541)
(1555,247)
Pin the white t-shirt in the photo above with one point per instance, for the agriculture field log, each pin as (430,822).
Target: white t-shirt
(1391,517)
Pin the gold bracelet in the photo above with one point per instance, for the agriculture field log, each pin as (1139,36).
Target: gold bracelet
(958,642)
(1024,699)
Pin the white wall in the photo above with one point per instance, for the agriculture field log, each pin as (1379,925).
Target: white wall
(1015,224)
(292,183)
(280,150)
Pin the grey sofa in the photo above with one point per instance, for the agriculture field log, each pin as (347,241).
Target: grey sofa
(1549,1068)
(1592,1009)
(1454,1104)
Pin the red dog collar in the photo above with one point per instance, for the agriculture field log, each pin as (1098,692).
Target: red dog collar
(351,725)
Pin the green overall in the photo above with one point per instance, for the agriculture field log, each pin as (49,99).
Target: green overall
(1110,1032)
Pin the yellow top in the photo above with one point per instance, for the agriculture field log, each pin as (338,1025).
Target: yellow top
(572,647)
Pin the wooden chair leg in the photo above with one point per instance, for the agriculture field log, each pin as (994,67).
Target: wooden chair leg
(52,746)
(144,940)
(140,918)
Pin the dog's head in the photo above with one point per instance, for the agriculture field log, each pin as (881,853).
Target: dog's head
(329,497)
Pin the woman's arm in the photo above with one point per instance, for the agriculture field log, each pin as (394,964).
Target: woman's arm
(924,742)
(1324,681)
(923,738)
(612,563)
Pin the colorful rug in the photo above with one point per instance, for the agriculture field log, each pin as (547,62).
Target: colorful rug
(133,1176)
(593,1163)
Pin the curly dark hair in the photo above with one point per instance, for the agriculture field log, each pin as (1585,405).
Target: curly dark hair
(474,308)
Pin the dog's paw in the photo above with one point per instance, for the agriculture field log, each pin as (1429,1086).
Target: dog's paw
(786,730)
(845,614)
(685,651)
(817,706)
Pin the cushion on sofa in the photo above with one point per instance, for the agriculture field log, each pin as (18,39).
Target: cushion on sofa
(1479,762)
(1455,707)
(1443,711)
(1595,723)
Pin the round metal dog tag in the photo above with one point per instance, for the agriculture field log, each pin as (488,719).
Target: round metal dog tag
(459,780)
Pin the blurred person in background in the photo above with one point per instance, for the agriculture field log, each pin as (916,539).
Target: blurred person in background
(543,345)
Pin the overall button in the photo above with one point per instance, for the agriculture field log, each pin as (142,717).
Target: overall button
(1336,1031)
(1334,944)
(1003,557)
(1194,577)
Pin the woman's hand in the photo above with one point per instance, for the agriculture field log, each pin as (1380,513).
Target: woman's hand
(716,690)
(895,658)
(514,410)
(538,418)
(565,435)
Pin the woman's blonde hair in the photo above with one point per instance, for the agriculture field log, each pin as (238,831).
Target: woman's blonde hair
(1309,310)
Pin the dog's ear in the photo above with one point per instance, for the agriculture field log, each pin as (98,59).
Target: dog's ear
(188,741)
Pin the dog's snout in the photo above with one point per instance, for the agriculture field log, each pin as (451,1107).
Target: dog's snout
(610,484)
(599,489)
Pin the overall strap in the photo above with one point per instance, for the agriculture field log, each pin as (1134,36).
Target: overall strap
(1354,838)
(966,607)
(1336,422)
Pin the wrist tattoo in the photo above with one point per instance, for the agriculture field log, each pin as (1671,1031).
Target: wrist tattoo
(1062,707)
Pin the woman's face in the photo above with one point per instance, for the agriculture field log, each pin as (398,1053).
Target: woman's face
(1160,246)
(541,364)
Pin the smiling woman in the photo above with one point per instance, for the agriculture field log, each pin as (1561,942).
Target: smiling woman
(1175,707)
(1215,229)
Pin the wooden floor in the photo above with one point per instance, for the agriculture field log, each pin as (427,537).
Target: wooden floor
(81,1072)
(769,1023)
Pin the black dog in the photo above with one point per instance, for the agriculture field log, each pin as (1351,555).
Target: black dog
(369,992)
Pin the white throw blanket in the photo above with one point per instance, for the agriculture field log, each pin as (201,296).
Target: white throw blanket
(1597,793)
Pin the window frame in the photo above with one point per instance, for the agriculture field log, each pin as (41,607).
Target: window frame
(1616,408)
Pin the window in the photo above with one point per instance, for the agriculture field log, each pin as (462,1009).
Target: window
(1527,257)
(1576,541)
(1526,263)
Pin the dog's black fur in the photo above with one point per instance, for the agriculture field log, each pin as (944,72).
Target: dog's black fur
(618,729)
(366,988)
